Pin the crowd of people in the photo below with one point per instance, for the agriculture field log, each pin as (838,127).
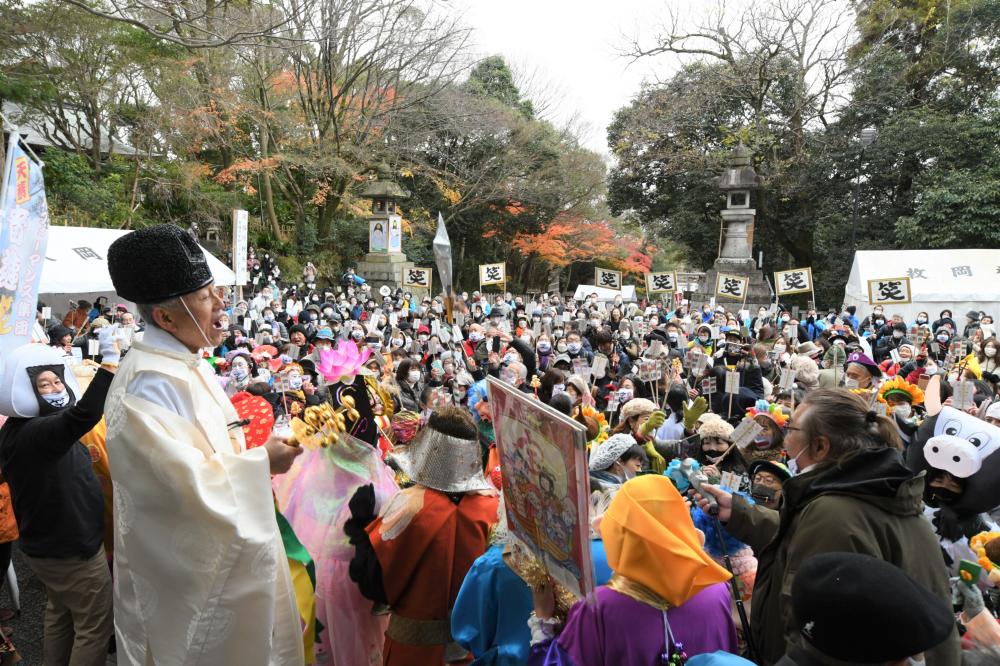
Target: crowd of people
(769,487)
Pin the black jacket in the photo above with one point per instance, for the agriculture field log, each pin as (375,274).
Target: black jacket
(56,495)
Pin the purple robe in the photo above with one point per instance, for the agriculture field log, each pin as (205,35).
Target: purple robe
(620,630)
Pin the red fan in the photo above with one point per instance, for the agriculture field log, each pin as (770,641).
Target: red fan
(260,415)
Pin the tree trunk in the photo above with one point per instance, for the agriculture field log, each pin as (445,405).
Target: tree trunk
(267,192)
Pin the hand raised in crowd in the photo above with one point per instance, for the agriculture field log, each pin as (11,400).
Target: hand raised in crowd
(280,454)
(724,500)
(655,420)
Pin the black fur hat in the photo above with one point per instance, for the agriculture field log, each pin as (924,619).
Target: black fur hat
(156,264)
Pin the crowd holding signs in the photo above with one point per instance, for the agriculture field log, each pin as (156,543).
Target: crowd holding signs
(324,472)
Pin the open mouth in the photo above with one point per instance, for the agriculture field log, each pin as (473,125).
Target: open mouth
(218,325)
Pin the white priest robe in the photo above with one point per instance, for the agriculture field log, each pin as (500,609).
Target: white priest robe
(201,576)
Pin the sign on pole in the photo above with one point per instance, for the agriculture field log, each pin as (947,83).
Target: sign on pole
(732,286)
(492,274)
(24,220)
(661,282)
(546,484)
(895,291)
(240,231)
(793,281)
(607,278)
(417,277)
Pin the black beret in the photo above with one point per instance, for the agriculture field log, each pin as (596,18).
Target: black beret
(57,332)
(863,610)
(156,264)
(298,328)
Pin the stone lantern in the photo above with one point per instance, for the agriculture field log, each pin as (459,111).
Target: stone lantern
(742,284)
(385,261)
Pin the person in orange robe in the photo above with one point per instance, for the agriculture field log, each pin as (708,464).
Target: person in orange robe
(414,556)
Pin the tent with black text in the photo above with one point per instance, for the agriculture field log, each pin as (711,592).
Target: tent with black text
(956,280)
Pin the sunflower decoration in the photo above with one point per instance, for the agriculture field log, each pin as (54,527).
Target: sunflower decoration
(902,388)
(986,546)
(602,424)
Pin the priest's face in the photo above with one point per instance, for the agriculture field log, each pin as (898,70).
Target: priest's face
(200,324)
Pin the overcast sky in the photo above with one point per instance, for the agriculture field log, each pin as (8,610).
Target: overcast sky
(571,47)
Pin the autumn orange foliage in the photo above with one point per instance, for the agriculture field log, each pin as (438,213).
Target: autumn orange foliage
(570,238)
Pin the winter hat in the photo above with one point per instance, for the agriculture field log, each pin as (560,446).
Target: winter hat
(636,407)
(864,361)
(718,429)
(810,349)
(156,264)
(806,371)
(610,450)
(887,614)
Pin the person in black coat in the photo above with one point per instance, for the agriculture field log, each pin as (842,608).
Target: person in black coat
(57,497)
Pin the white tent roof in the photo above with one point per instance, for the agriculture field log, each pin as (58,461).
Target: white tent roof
(960,280)
(76,262)
(584,291)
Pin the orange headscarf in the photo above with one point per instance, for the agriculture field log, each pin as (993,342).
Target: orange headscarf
(650,539)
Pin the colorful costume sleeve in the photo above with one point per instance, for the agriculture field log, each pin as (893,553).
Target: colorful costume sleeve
(491,612)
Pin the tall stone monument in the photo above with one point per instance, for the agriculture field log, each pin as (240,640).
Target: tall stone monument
(385,261)
(741,281)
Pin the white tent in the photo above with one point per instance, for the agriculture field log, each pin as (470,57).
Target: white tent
(76,264)
(584,291)
(957,280)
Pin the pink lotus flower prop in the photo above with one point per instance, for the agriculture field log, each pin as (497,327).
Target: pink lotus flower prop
(344,363)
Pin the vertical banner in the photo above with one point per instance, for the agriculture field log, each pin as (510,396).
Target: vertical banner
(24,220)
(546,484)
(240,231)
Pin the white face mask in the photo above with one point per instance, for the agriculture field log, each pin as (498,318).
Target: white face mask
(413,377)
(990,352)
(793,463)
(60,399)
(851,383)
(902,411)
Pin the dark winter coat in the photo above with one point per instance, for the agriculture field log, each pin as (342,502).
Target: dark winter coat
(870,504)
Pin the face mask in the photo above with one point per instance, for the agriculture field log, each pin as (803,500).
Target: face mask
(627,474)
(672,336)
(625,335)
(413,377)
(574,347)
(921,320)
(704,341)
(897,334)
(937,497)
(561,347)
(422,338)
(458,395)
(269,317)
(475,337)
(880,322)
(624,395)
(357,335)
(239,374)
(545,347)
(558,388)
(761,493)
(58,400)
(546,320)
(851,383)
(902,411)
(510,358)
(397,342)
(990,352)
(942,339)
(793,463)
(712,459)
(375,346)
